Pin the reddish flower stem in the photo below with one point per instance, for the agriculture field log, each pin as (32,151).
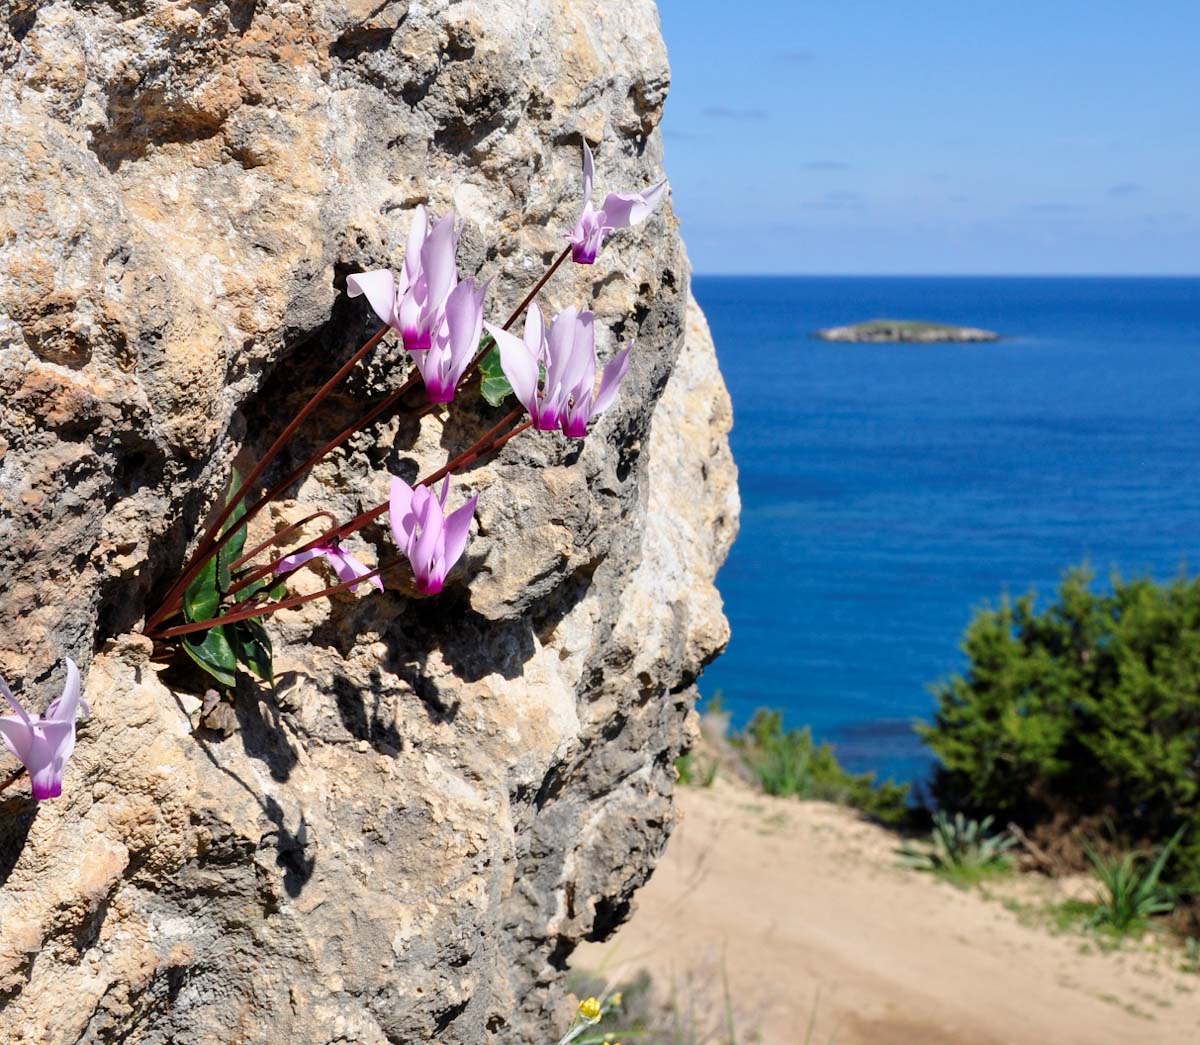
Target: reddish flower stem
(537,287)
(491,440)
(516,313)
(281,535)
(297,472)
(246,613)
(4,785)
(213,540)
(210,543)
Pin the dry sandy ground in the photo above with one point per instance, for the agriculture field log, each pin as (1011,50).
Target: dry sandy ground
(801,906)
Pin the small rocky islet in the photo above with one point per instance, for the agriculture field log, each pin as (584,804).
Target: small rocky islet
(905,331)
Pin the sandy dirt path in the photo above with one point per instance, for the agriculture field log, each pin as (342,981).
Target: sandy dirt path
(804,909)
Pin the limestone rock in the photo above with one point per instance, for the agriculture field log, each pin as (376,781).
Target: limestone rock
(404,840)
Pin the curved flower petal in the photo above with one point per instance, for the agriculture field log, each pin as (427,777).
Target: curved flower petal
(416,239)
(623,209)
(53,743)
(380,288)
(400,514)
(589,172)
(520,367)
(295,561)
(464,322)
(535,331)
(411,316)
(458,526)
(437,261)
(7,694)
(431,541)
(560,343)
(348,568)
(429,547)
(587,236)
(580,369)
(67,707)
(654,197)
(610,383)
(575,421)
(17,735)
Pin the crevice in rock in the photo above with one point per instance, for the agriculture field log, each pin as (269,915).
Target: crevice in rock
(147,119)
(462,135)
(560,953)
(22,20)
(360,40)
(552,785)
(610,913)
(16,820)
(443,1019)
(88,932)
(237,14)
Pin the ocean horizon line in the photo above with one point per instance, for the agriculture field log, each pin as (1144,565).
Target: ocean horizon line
(1181,276)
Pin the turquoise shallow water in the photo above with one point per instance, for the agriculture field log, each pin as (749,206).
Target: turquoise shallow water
(889,490)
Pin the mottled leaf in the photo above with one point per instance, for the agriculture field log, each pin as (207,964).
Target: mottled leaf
(494,384)
(214,653)
(231,551)
(254,648)
(201,599)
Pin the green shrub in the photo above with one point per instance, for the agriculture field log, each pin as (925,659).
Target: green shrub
(790,763)
(696,769)
(1191,955)
(1132,895)
(1088,710)
(962,850)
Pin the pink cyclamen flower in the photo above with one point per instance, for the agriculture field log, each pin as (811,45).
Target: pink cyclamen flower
(44,743)
(413,304)
(431,541)
(568,398)
(620,211)
(454,341)
(345,565)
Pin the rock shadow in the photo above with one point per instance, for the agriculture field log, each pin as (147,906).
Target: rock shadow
(292,849)
(17,814)
(294,854)
(362,713)
(262,739)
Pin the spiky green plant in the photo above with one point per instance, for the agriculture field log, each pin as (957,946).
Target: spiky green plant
(696,770)
(789,763)
(1133,893)
(961,850)
(1191,955)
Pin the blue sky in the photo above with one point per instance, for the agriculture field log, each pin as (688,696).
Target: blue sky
(936,137)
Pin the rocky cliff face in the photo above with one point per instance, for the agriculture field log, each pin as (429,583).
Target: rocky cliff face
(405,839)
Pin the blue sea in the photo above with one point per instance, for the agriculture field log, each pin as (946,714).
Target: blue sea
(888,491)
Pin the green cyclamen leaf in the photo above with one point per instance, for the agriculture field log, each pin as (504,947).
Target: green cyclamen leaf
(201,599)
(278,591)
(231,551)
(214,653)
(254,648)
(494,384)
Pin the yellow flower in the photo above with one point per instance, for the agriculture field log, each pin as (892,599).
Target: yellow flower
(589,1009)
(616,1000)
